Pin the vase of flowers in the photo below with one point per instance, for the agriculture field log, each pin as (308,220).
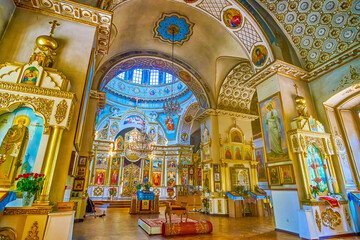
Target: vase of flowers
(29,184)
(206,203)
(315,190)
(112,192)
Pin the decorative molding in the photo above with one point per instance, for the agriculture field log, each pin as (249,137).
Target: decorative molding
(61,110)
(352,78)
(101,96)
(37,90)
(33,233)
(41,105)
(318,220)
(331,218)
(27,210)
(210,111)
(76,12)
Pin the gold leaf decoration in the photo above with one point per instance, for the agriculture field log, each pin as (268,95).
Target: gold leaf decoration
(331,218)
(61,110)
(33,233)
(318,220)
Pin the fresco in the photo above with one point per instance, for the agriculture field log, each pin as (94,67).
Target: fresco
(259,55)
(273,129)
(20,134)
(232,18)
(170,124)
(260,167)
(134,120)
(316,169)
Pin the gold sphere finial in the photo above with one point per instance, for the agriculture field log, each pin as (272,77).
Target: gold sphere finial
(45,42)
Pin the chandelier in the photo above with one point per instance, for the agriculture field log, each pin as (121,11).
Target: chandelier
(140,144)
(172,107)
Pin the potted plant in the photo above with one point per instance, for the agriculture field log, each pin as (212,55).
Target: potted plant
(240,190)
(206,203)
(29,184)
(147,187)
(315,190)
(112,192)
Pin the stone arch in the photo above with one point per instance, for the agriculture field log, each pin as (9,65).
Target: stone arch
(146,59)
(187,121)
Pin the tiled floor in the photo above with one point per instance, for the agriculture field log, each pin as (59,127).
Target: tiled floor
(119,224)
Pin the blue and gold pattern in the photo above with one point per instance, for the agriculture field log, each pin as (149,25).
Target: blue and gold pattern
(175,26)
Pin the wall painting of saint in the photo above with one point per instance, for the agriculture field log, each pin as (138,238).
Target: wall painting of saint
(31,75)
(259,55)
(273,128)
(260,167)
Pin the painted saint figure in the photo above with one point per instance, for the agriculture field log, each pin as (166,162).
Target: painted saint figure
(14,145)
(274,131)
(170,125)
(114,178)
(100,178)
(228,154)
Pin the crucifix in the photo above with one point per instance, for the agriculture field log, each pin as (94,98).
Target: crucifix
(296,89)
(54,24)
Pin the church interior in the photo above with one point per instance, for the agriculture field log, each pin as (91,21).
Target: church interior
(195,119)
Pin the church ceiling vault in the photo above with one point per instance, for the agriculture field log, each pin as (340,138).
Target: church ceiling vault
(319,30)
(235,18)
(236,91)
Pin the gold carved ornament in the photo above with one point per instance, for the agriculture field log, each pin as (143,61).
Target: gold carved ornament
(71,113)
(41,105)
(347,216)
(33,233)
(98,191)
(331,218)
(318,220)
(61,110)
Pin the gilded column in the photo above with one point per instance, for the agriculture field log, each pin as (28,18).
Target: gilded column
(223,177)
(92,177)
(108,173)
(151,170)
(212,189)
(228,179)
(332,173)
(215,138)
(305,178)
(49,163)
(87,176)
(164,171)
(180,169)
(254,181)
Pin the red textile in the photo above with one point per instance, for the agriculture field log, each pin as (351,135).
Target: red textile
(184,228)
(332,201)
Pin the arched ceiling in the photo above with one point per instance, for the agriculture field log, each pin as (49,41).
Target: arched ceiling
(319,30)
(211,39)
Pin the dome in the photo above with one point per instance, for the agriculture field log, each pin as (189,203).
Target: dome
(150,87)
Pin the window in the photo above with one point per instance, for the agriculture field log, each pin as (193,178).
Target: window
(168,78)
(121,75)
(137,76)
(154,77)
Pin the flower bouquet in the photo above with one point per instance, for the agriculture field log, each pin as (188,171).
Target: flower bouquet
(206,204)
(315,190)
(112,192)
(29,184)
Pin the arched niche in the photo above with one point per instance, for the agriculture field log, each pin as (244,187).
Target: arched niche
(236,135)
(342,112)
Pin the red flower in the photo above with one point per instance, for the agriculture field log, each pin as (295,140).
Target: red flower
(41,175)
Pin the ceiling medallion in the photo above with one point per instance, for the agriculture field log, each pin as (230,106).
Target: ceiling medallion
(176,24)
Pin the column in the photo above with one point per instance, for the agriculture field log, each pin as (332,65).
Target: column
(87,176)
(151,170)
(108,172)
(92,177)
(49,163)
(223,177)
(215,138)
(253,175)
(180,169)
(164,171)
(212,178)
(228,179)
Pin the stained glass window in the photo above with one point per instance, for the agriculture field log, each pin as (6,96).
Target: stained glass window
(121,75)
(316,169)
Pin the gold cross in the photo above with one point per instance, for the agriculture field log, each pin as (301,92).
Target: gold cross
(54,23)
(296,89)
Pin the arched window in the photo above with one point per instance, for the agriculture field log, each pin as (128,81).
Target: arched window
(137,76)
